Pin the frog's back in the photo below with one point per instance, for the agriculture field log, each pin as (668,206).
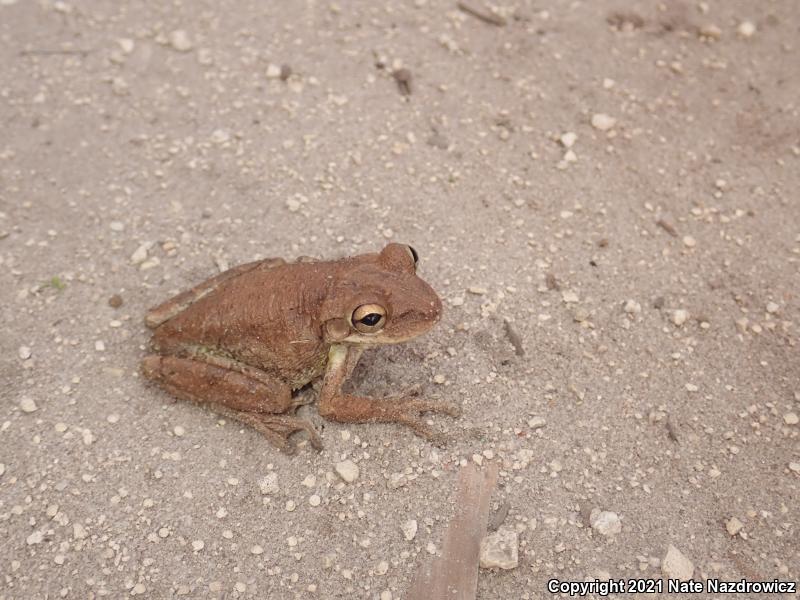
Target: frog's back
(264,317)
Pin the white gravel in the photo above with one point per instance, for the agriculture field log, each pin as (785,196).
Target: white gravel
(347,470)
(500,550)
(675,565)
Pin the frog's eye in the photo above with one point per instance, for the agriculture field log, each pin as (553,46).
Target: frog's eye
(413,254)
(369,318)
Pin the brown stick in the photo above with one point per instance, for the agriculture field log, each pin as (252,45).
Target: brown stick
(483,15)
(454,574)
(667,227)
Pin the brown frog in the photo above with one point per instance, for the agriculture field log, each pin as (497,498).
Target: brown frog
(242,341)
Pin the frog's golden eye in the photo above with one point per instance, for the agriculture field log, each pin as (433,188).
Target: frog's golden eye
(369,318)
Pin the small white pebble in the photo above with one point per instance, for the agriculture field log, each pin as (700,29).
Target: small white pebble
(537,422)
(24,352)
(35,538)
(290,505)
(220,136)
(733,526)
(711,31)
(568,139)
(28,405)
(180,40)
(791,418)
(269,484)
(409,529)
(257,550)
(138,589)
(632,307)
(140,254)
(347,470)
(746,29)
(605,522)
(126,45)
(772,307)
(178,431)
(680,316)
(273,71)
(603,122)
(569,297)
(689,241)
(314,500)
(198,545)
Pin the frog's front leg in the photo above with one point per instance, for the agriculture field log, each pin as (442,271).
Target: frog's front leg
(335,405)
(257,402)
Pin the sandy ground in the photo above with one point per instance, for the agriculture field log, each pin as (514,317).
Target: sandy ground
(650,272)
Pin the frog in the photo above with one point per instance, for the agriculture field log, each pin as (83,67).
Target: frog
(243,342)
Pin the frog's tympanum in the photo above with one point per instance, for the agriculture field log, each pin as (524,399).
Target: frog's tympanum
(243,341)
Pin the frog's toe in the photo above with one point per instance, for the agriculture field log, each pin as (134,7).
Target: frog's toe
(422,429)
(279,428)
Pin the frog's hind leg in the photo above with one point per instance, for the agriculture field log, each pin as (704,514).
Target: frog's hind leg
(177,304)
(256,403)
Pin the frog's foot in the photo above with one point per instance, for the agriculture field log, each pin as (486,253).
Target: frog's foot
(257,403)
(406,411)
(278,428)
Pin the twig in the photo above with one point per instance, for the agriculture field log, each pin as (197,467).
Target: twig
(499,517)
(483,15)
(667,227)
(514,338)
(671,431)
(403,79)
